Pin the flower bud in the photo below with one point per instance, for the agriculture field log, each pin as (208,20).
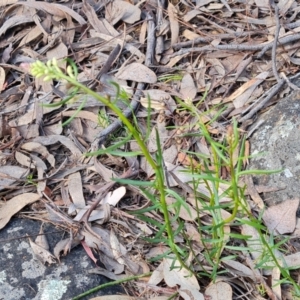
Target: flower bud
(70,72)
(47,78)
(54,62)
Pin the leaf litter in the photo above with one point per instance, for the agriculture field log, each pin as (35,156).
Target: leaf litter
(222,49)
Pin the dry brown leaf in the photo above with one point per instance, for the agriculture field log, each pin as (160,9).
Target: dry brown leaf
(53,139)
(9,174)
(53,129)
(254,81)
(137,72)
(54,9)
(184,214)
(89,252)
(157,275)
(143,32)
(102,214)
(254,243)
(217,66)
(83,114)
(120,254)
(281,218)
(251,190)
(42,150)
(41,239)
(59,52)
(144,228)
(219,291)
(292,260)
(29,117)
(65,246)
(155,251)
(170,154)
(7,2)
(193,233)
(186,160)
(188,89)
(15,21)
(31,35)
(159,100)
(105,173)
(41,254)
(75,190)
(24,160)
(41,168)
(104,246)
(276,288)
(113,198)
(162,132)
(239,269)
(189,286)
(190,35)
(106,273)
(99,24)
(173,18)
(262,4)
(122,10)
(2,78)
(241,100)
(14,205)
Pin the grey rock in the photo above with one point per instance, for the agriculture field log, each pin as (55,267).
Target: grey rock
(276,145)
(23,277)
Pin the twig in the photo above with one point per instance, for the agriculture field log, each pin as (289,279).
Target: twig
(268,95)
(214,24)
(160,44)
(274,47)
(242,47)
(106,67)
(289,83)
(150,39)
(283,40)
(210,38)
(292,25)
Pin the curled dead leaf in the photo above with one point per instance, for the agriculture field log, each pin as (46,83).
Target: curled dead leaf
(137,72)
(14,205)
(42,254)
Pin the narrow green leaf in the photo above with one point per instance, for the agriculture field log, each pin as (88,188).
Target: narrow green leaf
(76,113)
(134,182)
(126,154)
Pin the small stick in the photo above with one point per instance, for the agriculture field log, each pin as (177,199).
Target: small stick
(274,47)
(270,95)
(105,68)
(210,38)
(242,47)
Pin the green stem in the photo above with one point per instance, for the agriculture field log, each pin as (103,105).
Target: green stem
(102,286)
(157,168)
(234,185)
(118,112)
